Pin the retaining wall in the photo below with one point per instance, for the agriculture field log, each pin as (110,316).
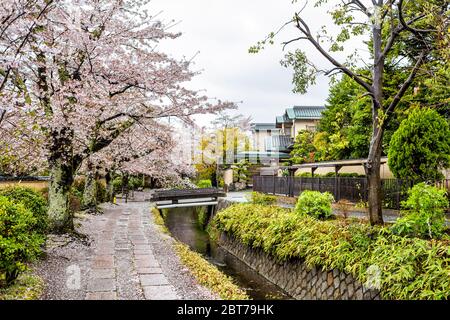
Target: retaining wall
(294,277)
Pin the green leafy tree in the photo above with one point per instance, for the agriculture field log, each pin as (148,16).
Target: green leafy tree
(344,100)
(425,215)
(410,37)
(345,128)
(420,148)
(218,148)
(304,149)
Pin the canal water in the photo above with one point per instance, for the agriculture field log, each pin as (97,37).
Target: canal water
(185,226)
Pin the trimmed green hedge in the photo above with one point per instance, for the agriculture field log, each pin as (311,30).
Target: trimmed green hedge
(19,240)
(315,203)
(262,198)
(410,268)
(31,200)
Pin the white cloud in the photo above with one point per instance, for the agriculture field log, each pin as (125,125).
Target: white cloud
(222,31)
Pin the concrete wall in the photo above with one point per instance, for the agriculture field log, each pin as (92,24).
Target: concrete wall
(296,279)
(359,169)
(259,138)
(302,125)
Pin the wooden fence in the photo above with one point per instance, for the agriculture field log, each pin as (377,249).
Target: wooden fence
(35,182)
(394,191)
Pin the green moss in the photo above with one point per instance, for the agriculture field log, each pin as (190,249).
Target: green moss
(202,216)
(208,275)
(26,287)
(411,268)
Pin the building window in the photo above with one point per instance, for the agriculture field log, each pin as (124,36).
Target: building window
(311,128)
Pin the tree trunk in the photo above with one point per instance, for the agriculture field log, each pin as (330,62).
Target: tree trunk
(125,180)
(372,167)
(374,183)
(90,188)
(109,187)
(59,214)
(62,166)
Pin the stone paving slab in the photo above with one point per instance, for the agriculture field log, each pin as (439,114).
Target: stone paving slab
(101,296)
(146,263)
(131,261)
(142,252)
(101,285)
(153,280)
(165,292)
(102,264)
(102,273)
(149,270)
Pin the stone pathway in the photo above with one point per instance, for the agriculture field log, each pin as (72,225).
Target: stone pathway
(124,264)
(129,259)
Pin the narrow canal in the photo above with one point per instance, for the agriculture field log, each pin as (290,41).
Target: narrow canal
(185,226)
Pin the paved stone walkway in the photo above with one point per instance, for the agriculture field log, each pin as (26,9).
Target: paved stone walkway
(129,259)
(124,262)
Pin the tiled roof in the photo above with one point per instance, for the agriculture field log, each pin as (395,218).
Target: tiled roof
(305,112)
(264,126)
(278,143)
(282,119)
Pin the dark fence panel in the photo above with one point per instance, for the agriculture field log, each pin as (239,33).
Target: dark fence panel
(25,178)
(394,191)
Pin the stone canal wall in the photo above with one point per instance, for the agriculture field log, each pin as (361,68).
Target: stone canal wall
(294,277)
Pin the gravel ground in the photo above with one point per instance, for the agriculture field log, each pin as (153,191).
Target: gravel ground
(67,257)
(64,256)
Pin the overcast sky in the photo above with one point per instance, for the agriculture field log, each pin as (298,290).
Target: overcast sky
(221,32)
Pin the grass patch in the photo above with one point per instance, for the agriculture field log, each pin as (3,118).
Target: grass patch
(26,287)
(208,275)
(410,268)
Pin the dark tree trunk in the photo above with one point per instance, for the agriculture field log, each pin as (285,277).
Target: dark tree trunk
(109,187)
(373,161)
(90,188)
(374,183)
(61,172)
(125,180)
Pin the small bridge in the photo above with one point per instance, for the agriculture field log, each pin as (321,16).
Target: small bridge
(177,198)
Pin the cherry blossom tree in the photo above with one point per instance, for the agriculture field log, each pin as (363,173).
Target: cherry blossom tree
(92,72)
(142,139)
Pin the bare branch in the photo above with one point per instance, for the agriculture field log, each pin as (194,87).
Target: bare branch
(395,33)
(303,27)
(2,116)
(285,44)
(358,6)
(406,84)
(407,26)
